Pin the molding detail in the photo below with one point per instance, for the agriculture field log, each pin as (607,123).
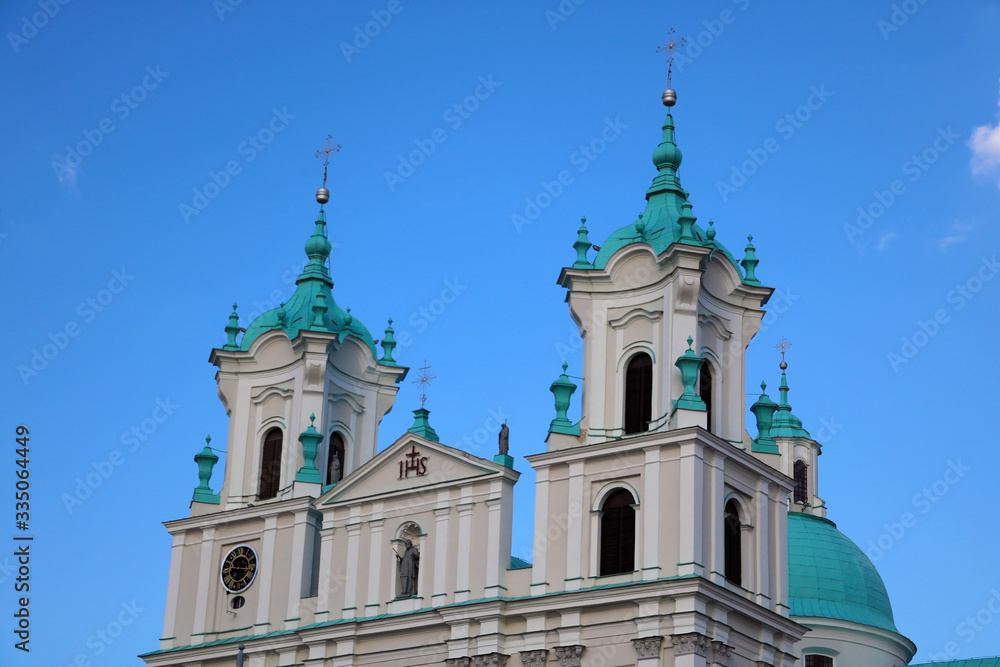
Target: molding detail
(716,324)
(622,321)
(351,401)
(491,660)
(691,643)
(569,656)
(457,662)
(720,653)
(648,647)
(268,392)
(535,658)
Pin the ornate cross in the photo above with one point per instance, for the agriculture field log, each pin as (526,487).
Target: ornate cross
(423,380)
(325,151)
(668,47)
(782,347)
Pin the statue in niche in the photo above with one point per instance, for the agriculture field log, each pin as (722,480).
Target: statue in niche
(504,438)
(335,468)
(409,567)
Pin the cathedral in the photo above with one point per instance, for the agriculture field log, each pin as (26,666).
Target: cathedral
(666,534)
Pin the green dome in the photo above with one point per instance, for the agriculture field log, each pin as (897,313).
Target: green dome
(667,211)
(830,577)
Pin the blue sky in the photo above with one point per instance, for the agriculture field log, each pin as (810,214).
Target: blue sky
(794,119)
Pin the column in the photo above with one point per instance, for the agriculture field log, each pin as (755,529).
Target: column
(325,565)
(494,587)
(690,649)
(297,563)
(717,561)
(649,507)
(439,595)
(648,650)
(539,585)
(353,556)
(691,499)
(205,580)
(762,542)
(375,569)
(265,561)
(464,550)
(173,590)
(574,526)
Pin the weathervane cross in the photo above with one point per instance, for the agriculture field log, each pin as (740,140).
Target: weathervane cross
(782,347)
(668,47)
(423,380)
(324,151)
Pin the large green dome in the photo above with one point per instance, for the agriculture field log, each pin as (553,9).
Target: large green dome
(830,577)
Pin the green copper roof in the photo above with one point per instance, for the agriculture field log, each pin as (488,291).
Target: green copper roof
(422,426)
(785,424)
(312,307)
(977,662)
(668,217)
(830,577)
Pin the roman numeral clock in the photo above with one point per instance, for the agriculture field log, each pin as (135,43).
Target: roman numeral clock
(239,569)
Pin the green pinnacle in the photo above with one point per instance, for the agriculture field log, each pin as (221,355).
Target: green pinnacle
(581,246)
(310,439)
(388,345)
(689,364)
(563,390)
(232,330)
(750,263)
(206,460)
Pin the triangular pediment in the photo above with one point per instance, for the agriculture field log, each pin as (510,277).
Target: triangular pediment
(410,463)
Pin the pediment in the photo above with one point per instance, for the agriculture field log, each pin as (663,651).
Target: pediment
(412,463)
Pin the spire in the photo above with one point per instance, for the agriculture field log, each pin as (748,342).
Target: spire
(750,263)
(310,439)
(785,424)
(763,410)
(388,345)
(206,460)
(581,246)
(422,426)
(563,390)
(232,329)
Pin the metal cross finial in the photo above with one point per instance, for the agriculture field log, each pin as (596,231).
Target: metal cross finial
(782,347)
(423,380)
(325,151)
(669,47)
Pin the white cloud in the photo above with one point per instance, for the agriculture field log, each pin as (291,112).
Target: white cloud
(985,145)
(884,239)
(950,240)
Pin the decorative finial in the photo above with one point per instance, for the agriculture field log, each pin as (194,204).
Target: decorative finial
(750,263)
(348,318)
(690,342)
(782,347)
(208,440)
(323,195)
(388,345)
(565,366)
(582,245)
(668,47)
(710,232)
(423,380)
(640,226)
(232,330)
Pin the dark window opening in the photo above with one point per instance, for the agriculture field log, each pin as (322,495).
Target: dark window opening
(617,533)
(638,394)
(335,459)
(705,391)
(801,474)
(270,465)
(818,661)
(238,602)
(733,546)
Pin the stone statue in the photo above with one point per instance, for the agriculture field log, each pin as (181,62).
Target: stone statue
(409,567)
(335,468)
(504,438)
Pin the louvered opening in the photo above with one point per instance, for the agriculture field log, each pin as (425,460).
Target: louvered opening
(617,533)
(270,466)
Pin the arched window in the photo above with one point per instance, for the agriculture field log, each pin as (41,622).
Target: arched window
(732,544)
(270,465)
(705,391)
(617,533)
(818,661)
(638,393)
(801,473)
(335,459)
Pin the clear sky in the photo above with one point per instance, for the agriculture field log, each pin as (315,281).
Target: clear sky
(120,224)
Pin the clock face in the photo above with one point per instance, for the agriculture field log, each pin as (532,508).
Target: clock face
(239,569)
